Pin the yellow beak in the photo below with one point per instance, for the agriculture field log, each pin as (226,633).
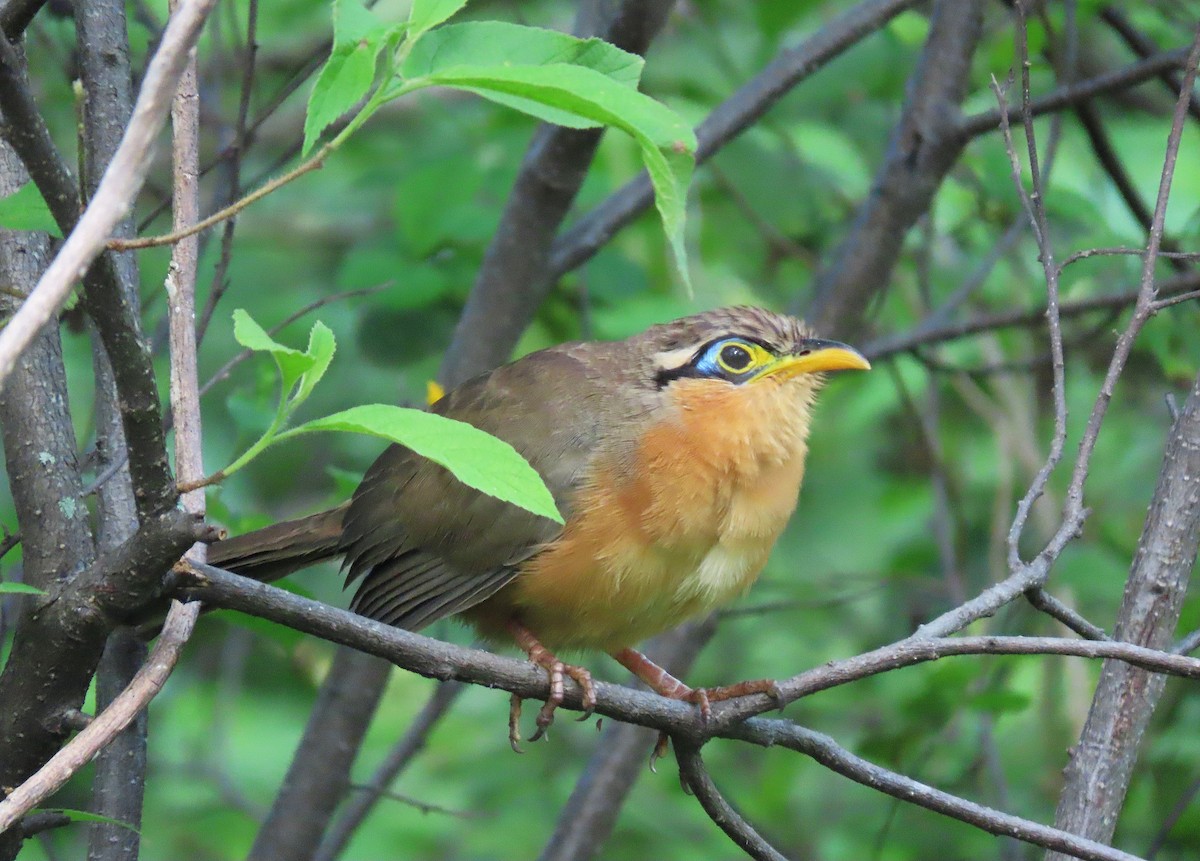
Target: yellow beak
(817,354)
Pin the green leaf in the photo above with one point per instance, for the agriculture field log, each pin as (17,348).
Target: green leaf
(19,589)
(578,97)
(429,13)
(346,77)
(86,816)
(26,209)
(344,80)
(499,43)
(354,23)
(321,347)
(477,459)
(295,367)
(252,336)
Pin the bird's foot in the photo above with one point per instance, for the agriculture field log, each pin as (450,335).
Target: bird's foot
(556,670)
(667,685)
(705,697)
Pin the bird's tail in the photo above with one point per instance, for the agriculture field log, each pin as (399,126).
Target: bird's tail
(276,551)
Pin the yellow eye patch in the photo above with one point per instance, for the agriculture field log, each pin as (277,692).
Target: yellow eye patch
(733,358)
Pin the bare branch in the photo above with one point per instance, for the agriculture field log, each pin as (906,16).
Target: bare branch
(696,777)
(118,783)
(1051,606)
(1035,208)
(836,758)
(1081,91)
(1101,767)
(80,750)
(313,163)
(15,16)
(120,184)
(441,660)
(590,814)
(923,336)
(319,775)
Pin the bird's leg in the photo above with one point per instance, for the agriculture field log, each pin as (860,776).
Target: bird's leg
(555,670)
(667,685)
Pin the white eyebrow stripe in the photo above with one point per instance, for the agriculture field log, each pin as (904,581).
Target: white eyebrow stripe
(673,359)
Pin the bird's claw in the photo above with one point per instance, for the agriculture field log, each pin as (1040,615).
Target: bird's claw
(660,750)
(556,670)
(514,723)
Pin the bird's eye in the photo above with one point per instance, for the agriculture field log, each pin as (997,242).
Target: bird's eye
(735,358)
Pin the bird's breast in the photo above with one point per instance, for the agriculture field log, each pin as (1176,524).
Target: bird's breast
(674,529)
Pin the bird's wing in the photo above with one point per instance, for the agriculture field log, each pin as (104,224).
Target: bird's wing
(416,589)
(427,545)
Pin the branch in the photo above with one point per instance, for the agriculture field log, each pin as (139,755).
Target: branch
(439,660)
(907,653)
(45,483)
(315,162)
(118,782)
(1144,47)
(1102,766)
(836,758)
(924,335)
(1082,91)
(80,751)
(15,16)
(117,189)
(587,819)
(320,772)
(696,777)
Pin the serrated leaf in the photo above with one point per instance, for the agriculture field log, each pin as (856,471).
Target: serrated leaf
(26,209)
(344,80)
(353,23)
(294,366)
(427,14)
(499,43)
(19,589)
(252,336)
(321,347)
(475,458)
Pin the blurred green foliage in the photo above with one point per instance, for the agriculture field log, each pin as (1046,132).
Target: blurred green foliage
(411,201)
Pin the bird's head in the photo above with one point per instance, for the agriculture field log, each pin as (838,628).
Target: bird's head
(745,347)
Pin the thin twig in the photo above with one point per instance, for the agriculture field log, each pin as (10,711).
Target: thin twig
(236,154)
(921,335)
(121,182)
(833,756)
(1034,205)
(80,750)
(233,209)
(1056,609)
(414,739)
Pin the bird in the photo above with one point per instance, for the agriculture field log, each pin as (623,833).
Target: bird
(675,457)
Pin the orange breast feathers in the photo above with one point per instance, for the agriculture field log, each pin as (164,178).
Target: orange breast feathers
(681,527)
